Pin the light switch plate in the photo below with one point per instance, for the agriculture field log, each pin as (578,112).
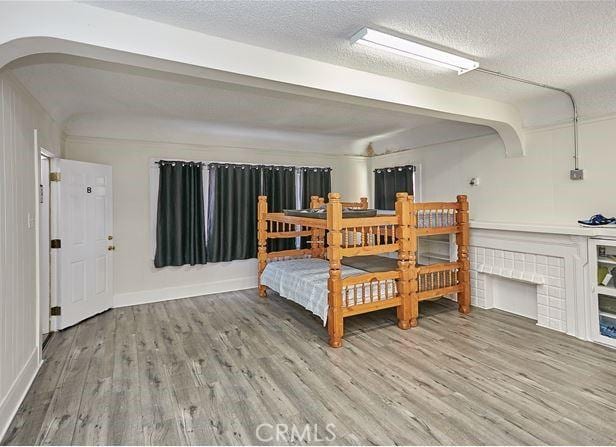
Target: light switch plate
(576,174)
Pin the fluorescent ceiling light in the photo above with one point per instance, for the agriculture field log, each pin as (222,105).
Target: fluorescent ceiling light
(414,50)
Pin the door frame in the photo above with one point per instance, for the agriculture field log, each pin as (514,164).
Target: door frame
(38,152)
(42,152)
(54,255)
(44,247)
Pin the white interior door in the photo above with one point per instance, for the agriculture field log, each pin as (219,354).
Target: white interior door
(44,246)
(85,228)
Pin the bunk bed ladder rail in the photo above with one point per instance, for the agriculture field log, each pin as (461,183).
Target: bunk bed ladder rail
(369,235)
(437,280)
(436,218)
(369,291)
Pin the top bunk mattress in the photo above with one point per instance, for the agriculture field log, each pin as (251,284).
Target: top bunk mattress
(320,213)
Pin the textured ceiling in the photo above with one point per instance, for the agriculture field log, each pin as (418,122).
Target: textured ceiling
(565,43)
(77,90)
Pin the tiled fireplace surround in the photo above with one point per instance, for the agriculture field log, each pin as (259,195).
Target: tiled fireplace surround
(556,263)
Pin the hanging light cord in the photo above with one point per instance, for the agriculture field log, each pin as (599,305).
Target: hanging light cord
(576,153)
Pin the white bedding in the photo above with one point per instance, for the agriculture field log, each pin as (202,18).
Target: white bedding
(304,281)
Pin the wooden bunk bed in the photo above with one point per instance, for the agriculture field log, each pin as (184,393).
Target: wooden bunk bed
(352,291)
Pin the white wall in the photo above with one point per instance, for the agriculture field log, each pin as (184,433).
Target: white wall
(20,114)
(136,280)
(531,189)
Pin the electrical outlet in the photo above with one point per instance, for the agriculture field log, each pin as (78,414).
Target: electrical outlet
(576,174)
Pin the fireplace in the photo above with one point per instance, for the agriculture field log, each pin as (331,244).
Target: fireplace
(526,274)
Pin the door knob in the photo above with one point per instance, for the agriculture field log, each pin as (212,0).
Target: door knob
(111,248)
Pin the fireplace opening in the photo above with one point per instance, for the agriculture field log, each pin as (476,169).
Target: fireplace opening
(513,296)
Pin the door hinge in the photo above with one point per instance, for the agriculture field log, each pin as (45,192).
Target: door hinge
(55,311)
(56,243)
(55,176)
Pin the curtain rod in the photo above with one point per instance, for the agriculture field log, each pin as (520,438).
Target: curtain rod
(412,167)
(207,164)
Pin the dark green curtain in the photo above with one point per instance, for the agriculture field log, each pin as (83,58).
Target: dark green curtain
(279,187)
(315,182)
(180,223)
(388,182)
(232,211)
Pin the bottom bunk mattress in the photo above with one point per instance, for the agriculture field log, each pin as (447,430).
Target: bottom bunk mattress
(304,281)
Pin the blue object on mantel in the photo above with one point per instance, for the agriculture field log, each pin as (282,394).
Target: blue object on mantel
(598,220)
(607,330)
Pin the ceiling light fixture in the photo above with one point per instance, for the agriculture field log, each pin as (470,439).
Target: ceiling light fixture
(424,53)
(414,50)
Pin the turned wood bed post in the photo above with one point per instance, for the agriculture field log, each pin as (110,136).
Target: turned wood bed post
(413,272)
(262,240)
(316,246)
(335,323)
(403,311)
(462,240)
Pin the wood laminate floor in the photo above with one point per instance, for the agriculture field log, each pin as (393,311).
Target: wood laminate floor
(210,370)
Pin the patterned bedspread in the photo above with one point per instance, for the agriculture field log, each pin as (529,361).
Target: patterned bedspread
(304,281)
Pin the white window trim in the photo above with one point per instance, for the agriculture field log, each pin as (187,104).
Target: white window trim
(417,182)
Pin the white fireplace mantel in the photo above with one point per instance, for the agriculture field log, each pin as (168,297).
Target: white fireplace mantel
(607,231)
(555,259)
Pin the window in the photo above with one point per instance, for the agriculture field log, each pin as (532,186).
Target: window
(153,202)
(232,222)
(389,181)
(229,200)
(278,183)
(233,193)
(180,216)
(314,182)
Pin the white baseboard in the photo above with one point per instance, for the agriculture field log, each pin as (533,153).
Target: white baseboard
(17,391)
(174,293)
